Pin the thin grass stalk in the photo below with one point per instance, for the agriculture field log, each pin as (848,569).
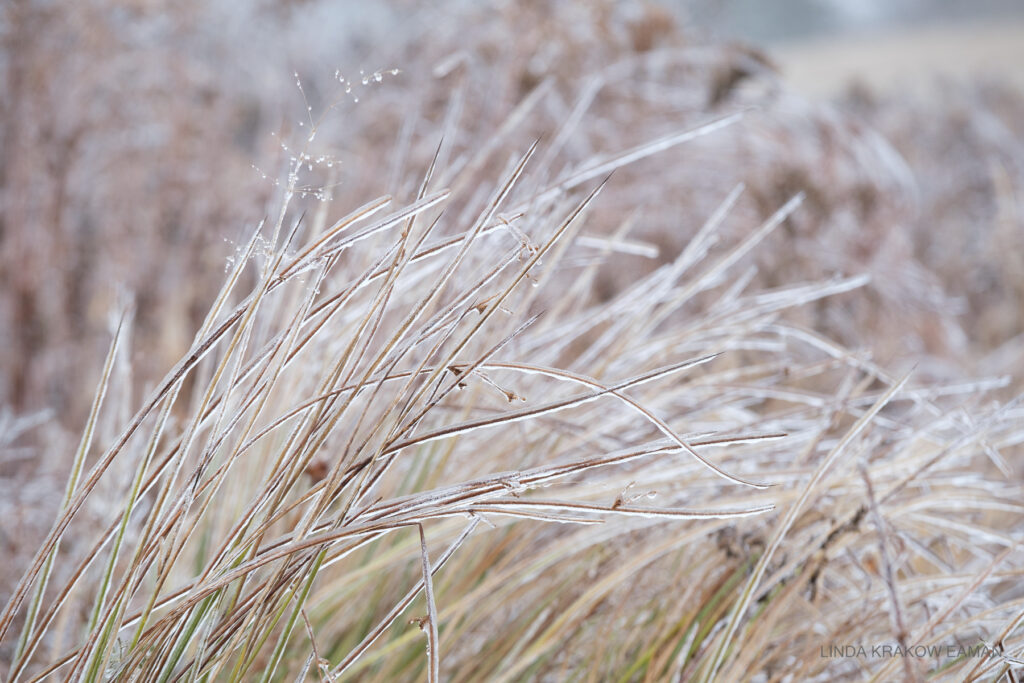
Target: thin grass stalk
(77,466)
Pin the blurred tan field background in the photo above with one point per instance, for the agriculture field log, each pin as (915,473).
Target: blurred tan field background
(142,142)
(145,124)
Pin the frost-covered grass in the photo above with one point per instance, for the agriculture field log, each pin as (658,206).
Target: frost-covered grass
(568,403)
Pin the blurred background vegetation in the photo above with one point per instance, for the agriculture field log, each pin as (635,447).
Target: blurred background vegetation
(134,136)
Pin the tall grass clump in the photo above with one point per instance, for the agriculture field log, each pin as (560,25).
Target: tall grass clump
(426,434)
(367,393)
(396,425)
